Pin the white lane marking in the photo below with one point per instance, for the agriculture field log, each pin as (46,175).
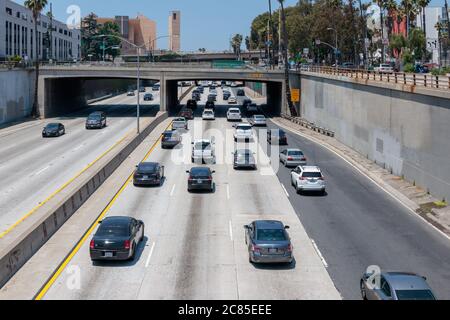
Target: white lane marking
(231,230)
(149,255)
(78,148)
(319,253)
(285,191)
(42,170)
(173,190)
(228,192)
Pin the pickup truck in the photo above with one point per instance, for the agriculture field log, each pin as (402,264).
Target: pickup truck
(384,68)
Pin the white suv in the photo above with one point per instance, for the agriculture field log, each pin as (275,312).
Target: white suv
(203,151)
(243,132)
(234,114)
(308,178)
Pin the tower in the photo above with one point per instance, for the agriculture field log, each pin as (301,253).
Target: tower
(174,31)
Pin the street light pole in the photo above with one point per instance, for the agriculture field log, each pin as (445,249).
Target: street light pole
(335,46)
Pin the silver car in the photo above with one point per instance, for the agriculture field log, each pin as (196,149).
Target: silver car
(179,123)
(395,286)
(292,157)
(258,120)
(268,242)
(244,158)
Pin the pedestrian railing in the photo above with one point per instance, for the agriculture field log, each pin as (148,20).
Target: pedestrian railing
(309,125)
(412,79)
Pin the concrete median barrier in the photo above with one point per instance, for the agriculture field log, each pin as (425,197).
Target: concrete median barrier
(18,246)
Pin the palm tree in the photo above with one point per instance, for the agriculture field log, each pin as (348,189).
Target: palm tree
(36,7)
(236,43)
(423,4)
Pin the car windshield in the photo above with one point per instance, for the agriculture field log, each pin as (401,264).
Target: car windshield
(202,145)
(94,117)
(385,65)
(270,235)
(168,134)
(234,111)
(312,175)
(113,230)
(244,127)
(259,117)
(295,153)
(52,126)
(414,295)
(208,112)
(243,152)
(179,120)
(200,172)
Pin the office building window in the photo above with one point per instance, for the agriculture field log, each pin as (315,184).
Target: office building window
(7,38)
(18,14)
(9,11)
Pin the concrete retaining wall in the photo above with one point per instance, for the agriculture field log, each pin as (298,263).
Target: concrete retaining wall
(16,94)
(403,131)
(20,245)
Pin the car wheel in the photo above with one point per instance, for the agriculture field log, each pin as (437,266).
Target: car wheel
(297,189)
(292,182)
(143,234)
(363,291)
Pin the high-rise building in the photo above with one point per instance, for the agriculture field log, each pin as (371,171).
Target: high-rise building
(56,40)
(140,31)
(174,31)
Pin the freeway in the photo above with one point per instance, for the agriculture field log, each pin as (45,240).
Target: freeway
(32,168)
(194,246)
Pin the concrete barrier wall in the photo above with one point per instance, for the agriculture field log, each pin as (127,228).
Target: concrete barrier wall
(19,246)
(403,131)
(16,94)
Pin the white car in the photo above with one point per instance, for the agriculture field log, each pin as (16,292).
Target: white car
(232,100)
(179,123)
(234,114)
(384,68)
(308,178)
(203,151)
(208,114)
(243,132)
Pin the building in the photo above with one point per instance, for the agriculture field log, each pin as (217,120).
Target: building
(174,31)
(17,35)
(140,31)
(432,16)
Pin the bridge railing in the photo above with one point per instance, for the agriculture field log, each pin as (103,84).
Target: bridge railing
(411,79)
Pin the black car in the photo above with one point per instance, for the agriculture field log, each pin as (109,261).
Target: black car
(212,97)
(268,242)
(96,120)
(196,96)
(191,104)
(148,173)
(53,130)
(148,97)
(117,238)
(226,95)
(200,178)
(210,105)
(240,93)
(201,89)
(276,136)
(246,102)
(170,139)
(155,87)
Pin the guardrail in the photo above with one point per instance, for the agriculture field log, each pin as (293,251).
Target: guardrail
(411,79)
(309,125)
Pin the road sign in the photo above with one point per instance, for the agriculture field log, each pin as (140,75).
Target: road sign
(295,95)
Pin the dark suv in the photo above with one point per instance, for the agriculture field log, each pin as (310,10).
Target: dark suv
(191,104)
(96,120)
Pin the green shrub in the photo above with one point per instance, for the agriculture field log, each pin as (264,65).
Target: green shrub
(409,67)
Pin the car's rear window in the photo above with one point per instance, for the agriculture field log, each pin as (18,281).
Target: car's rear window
(202,145)
(118,230)
(243,127)
(94,117)
(270,235)
(234,111)
(200,172)
(415,295)
(52,126)
(168,134)
(295,153)
(311,175)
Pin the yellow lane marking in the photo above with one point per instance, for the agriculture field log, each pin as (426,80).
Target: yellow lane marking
(80,243)
(4,233)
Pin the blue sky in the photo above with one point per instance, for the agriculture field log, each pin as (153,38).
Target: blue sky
(205,23)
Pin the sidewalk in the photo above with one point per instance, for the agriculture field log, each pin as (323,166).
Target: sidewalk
(433,210)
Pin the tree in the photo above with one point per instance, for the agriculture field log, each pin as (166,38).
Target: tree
(36,7)
(397,43)
(417,43)
(111,29)
(248,44)
(89,30)
(423,4)
(236,43)
(410,11)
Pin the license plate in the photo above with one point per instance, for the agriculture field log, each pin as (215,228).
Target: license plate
(199,181)
(145,177)
(109,254)
(272,250)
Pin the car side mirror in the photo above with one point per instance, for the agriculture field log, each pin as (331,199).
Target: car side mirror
(247,227)
(286,227)
(187,171)
(214,171)
(100,222)
(192,143)
(137,166)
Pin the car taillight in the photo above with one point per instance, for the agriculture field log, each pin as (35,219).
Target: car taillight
(321,178)
(209,178)
(289,248)
(303,159)
(290,158)
(256,248)
(126,244)
(302,178)
(92,244)
(190,178)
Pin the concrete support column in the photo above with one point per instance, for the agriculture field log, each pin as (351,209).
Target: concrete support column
(162,93)
(169,94)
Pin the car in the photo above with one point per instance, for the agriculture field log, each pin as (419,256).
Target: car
(201,89)
(170,139)
(200,178)
(258,121)
(187,114)
(117,238)
(148,173)
(226,95)
(252,107)
(130,93)
(191,104)
(96,120)
(384,68)
(196,96)
(148,97)
(212,98)
(156,87)
(213,92)
(234,114)
(348,65)
(308,178)
(203,151)
(240,93)
(179,123)
(53,130)
(276,136)
(210,105)
(244,158)
(292,158)
(212,87)
(142,89)
(246,102)
(395,286)
(243,132)
(268,242)
(232,100)
(208,114)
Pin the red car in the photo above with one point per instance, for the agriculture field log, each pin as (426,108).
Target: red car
(187,114)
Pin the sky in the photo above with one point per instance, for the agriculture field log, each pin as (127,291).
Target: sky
(204,23)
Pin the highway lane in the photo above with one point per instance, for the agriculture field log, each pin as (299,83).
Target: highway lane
(194,246)
(32,168)
(357,224)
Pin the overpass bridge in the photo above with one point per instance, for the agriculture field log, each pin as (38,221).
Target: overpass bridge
(61,88)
